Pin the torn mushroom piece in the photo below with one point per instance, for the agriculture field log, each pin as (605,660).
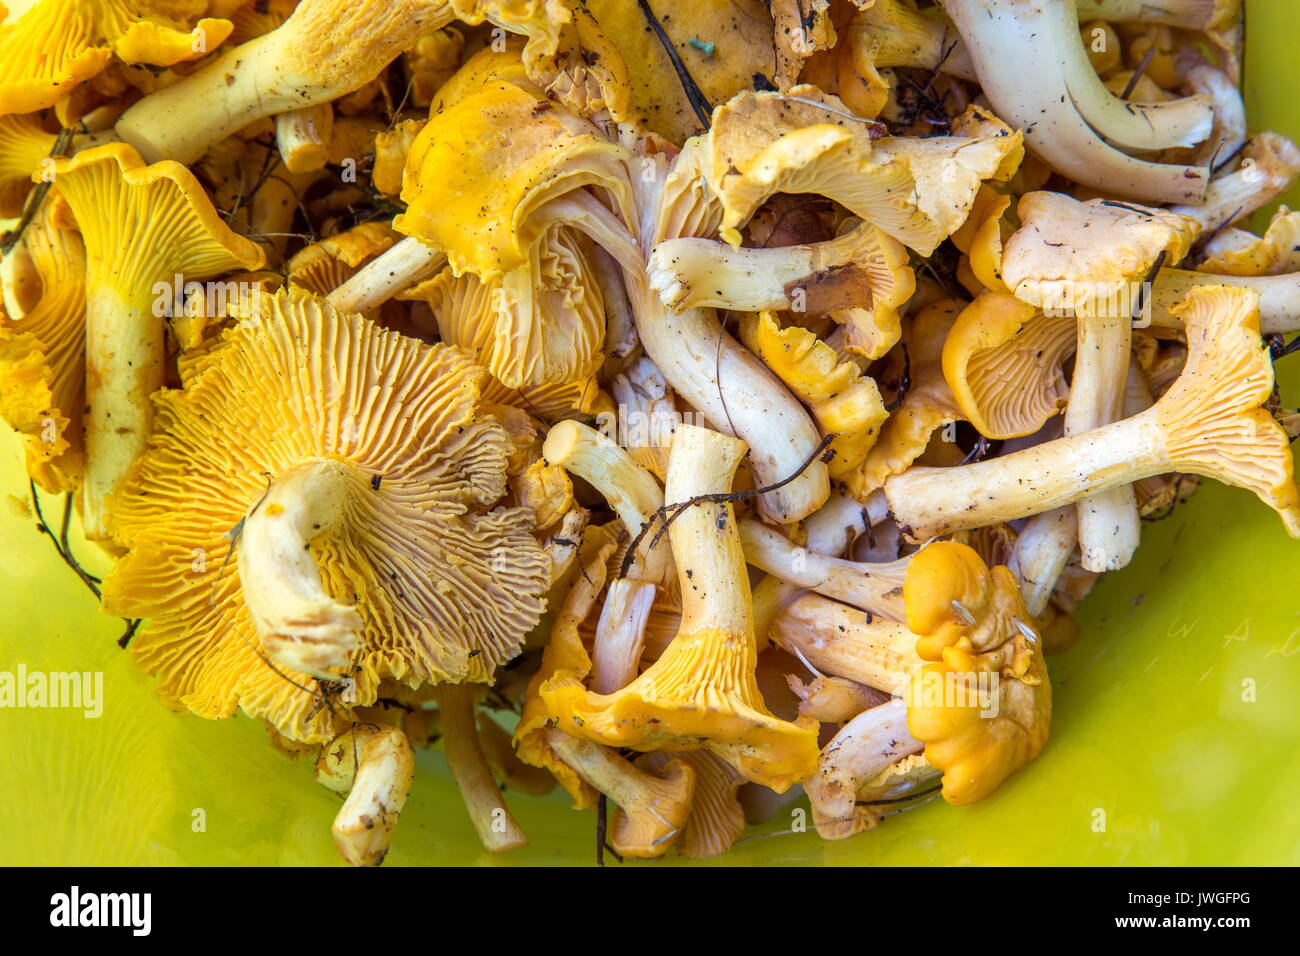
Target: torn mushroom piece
(355,477)
(919,191)
(1091,260)
(1211,422)
(845,403)
(702,691)
(374,766)
(928,406)
(1067,114)
(282,71)
(982,704)
(143,227)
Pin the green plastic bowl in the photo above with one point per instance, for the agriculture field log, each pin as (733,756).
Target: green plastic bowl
(1173,741)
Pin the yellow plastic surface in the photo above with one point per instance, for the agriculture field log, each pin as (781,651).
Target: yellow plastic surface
(1159,754)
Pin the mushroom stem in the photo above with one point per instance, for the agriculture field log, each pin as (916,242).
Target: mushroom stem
(1043,548)
(620,635)
(496,828)
(1208,423)
(324,50)
(872,587)
(844,642)
(715,374)
(861,749)
(1189,14)
(400,267)
(374,765)
(628,488)
(1270,166)
(1279,297)
(691,273)
(654,809)
(303,137)
(1109,529)
(299,624)
(124,367)
(1067,106)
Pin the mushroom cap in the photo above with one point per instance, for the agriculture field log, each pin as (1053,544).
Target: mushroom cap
(740,35)
(983,704)
(928,405)
(482,169)
(55,45)
(1002,359)
(43,358)
(162,222)
(447,585)
(544,323)
(916,190)
(845,402)
(982,235)
(23,144)
(1277,252)
(1078,256)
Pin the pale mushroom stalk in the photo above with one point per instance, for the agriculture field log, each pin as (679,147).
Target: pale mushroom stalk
(391,272)
(690,273)
(835,639)
(1208,423)
(303,137)
(718,376)
(1279,297)
(1108,526)
(374,766)
(1067,105)
(1229,114)
(1189,14)
(620,635)
(496,828)
(1268,169)
(1043,548)
(648,803)
(628,488)
(299,624)
(862,748)
(873,587)
(278,72)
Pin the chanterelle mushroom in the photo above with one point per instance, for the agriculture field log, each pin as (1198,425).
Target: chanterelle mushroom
(143,226)
(49,47)
(354,473)
(1090,259)
(1210,423)
(982,705)
(284,70)
(702,691)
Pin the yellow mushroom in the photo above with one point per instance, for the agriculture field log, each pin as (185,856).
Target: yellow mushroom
(702,691)
(1210,423)
(49,47)
(162,232)
(355,477)
(982,705)
(281,71)
(374,766)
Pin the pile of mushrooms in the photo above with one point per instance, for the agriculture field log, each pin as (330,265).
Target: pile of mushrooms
(697,409)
